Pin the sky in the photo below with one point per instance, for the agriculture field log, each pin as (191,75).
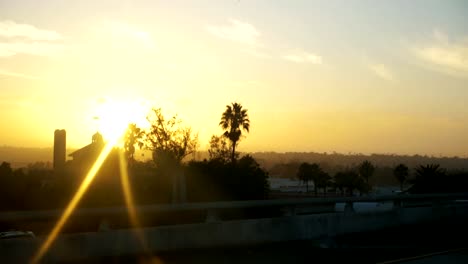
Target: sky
(323,76)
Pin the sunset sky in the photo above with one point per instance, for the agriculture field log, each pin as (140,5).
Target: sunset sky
(345,76)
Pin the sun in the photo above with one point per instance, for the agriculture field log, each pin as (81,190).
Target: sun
(113,117)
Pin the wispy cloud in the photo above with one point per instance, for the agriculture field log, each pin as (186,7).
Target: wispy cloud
(303,57)
(18,75)
(27,39)
(444,55)
(11,29)
(8,49)
(382,71)
(236,31)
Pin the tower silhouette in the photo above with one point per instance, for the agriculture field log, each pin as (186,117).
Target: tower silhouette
(60,141)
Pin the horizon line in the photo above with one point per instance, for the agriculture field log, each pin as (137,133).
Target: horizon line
(349,153)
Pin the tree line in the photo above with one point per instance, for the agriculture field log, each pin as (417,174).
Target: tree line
(430,178)
(345,181)
(334,162)
(224,175)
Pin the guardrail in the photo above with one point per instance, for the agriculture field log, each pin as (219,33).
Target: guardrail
(211,208)
(306,221)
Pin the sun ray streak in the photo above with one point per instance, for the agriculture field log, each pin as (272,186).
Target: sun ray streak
(74,202)
(129,202)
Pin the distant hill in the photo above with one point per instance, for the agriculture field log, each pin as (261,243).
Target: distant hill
(285,165)
(21,157)
(270,159)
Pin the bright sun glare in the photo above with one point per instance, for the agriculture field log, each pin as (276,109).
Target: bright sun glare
(113,116)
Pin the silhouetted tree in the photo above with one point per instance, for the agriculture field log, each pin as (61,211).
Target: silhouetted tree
(39,166)
(429,171)
(6,185)
(5,169)
(348,180)
(340,182)
(148,188)
(169,141)
(219,149)
(285,170)
(318,176)
(252,178)
(323,180)
(233,121)
(361,185)
(401,173)
(133,136)
(214,180)
(312,172)
(304,173)
(428,179)
(366,170)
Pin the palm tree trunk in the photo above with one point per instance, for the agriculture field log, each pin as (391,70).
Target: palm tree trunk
(233,154)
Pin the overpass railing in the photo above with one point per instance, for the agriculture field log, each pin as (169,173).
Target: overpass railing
(289,207)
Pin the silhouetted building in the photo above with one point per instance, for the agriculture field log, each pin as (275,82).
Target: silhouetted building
(105,189)
(89,153)
(60,141)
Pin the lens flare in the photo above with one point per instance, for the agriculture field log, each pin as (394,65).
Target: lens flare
(74,201)
(113,115)
(129,202)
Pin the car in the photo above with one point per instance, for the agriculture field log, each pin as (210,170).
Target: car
(16,234)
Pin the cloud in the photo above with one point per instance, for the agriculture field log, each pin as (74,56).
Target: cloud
(11,29)
(303,57)
(443,55)
(8,49)
(236,31)
(18,75)
(27,39)
(382,71)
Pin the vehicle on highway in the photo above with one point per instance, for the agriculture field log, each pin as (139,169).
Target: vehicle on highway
(16,234)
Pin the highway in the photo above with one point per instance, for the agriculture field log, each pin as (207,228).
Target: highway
(371,229)
(438,242)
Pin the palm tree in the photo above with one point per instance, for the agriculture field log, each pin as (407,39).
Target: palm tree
(317,175)
(233,121)
(401,173)
(132,137)
(305,174)
(366,170)
(429,179)
(429,171)
(323,181)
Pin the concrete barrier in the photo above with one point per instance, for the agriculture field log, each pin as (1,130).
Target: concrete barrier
(318,205)
(74,247)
